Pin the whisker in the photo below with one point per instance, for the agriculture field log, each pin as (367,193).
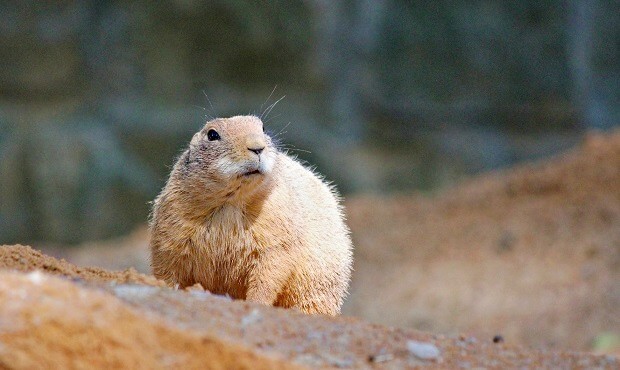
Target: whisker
(272,118)
(297,150)
(207,115)
(279,134)
(265,102)
(213,113)
(291,147)
(284,128)
(270,108)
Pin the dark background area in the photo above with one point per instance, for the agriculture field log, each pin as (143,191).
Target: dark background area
(98,97)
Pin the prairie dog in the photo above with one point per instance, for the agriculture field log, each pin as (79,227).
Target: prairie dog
(242,218)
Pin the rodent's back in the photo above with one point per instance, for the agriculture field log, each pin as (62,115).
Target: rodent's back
(322,245)
(316,203)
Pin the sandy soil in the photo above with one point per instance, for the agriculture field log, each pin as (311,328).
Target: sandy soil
(24,258)
(47,322)
(531,253)
(53,322)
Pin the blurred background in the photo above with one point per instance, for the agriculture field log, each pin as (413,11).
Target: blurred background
(98,97)
(394,101)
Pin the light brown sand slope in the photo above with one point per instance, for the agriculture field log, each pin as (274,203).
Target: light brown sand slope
(65,322)
(532,253)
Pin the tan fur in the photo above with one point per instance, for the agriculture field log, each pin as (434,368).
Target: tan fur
(277,237)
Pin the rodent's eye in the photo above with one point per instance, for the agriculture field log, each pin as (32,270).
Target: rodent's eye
(213,135)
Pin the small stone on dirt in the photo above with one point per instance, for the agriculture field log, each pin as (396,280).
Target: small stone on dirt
(423,350)
(381,357)
(251,318)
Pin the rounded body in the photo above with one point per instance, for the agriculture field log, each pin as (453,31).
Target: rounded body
(275,235)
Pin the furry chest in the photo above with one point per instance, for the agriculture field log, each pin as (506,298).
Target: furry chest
(223,259)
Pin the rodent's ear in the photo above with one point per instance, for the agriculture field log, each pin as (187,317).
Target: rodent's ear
(186,156)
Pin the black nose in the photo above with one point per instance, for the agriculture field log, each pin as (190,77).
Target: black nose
(258,151)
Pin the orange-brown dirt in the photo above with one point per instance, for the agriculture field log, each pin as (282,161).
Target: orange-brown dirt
(47,322)
(531,253)
(23,258)
(52,322)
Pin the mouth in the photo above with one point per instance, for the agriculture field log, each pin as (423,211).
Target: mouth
(251,173)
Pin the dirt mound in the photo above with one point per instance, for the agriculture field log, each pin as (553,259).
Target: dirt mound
(532,253)
(24,258)
(120,253)
(46,321)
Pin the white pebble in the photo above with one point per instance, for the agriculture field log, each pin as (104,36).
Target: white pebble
(36,277)
(424,351)
(253,317)
(127,291)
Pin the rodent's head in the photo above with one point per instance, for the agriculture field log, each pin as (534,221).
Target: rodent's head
(229,153)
